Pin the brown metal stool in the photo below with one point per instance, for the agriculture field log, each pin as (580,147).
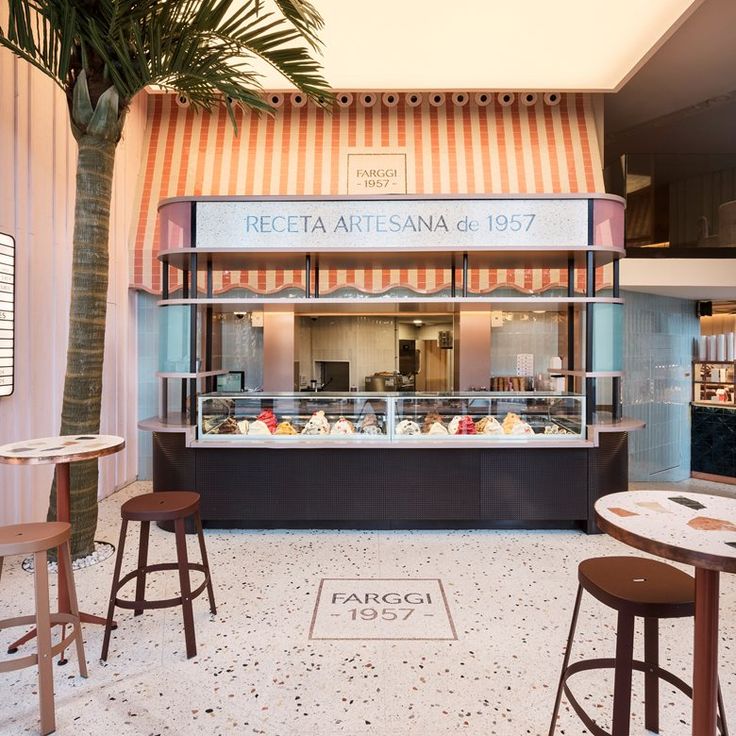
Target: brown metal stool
(174,506)
(633,586)
(37,539)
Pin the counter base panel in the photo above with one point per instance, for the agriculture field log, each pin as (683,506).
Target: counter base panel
(459,488)
(729,480)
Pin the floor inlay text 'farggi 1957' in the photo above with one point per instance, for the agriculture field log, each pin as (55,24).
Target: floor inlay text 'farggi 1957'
(383,608)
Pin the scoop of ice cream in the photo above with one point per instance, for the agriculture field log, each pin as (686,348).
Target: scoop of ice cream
(454,424)
(371,429)
(406,427)
(258,427)
(432,418)
(243,425)
(229,426)
(437,428)
(521,427)
(343,426)
(285,428)
(510,421)
(268,418)
(466,426)
(317,424)
(488,425)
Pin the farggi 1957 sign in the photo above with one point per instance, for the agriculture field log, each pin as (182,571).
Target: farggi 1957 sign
(395,222)
(7,313)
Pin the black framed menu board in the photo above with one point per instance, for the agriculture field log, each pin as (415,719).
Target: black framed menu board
(7,314)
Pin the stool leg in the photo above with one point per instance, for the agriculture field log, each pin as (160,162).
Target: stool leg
(722,712)
(651,679)
(566,660)
(43,627)
(186,595)
(203,551)
(622,677)
(74,608)
(140,586)
(114,589)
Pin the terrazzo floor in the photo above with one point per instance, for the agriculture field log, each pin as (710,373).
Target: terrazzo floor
(510,595)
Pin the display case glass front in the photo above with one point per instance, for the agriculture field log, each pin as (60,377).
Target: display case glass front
(501,416)
(292,417)
(305,417)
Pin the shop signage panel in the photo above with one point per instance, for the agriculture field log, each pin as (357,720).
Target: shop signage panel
(376,173)
(420,223)
(7,314)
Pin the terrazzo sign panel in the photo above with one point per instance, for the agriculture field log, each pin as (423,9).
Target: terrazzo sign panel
(7,313)
(383,608)
(397,222)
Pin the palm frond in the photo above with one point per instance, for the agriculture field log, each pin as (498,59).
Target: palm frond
(43,34)
(201,48)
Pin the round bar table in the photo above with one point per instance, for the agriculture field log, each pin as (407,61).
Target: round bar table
(695,529)
(61,451)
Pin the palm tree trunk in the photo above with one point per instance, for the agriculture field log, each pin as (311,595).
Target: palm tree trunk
(80,412)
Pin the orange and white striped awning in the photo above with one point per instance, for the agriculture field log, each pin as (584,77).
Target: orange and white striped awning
(303,150)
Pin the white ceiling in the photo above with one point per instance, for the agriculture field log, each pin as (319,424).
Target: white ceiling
(592,45)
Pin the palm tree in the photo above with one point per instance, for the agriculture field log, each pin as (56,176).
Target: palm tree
(102,53)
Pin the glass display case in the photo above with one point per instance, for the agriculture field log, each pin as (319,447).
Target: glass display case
(292,417)
(305,417)
(714,382)
(501,416)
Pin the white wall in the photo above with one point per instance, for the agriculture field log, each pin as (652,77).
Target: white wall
(368,343)
(38,156)
(682,278)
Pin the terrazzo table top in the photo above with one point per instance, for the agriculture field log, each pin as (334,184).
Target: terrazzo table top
(693,528)
(64,449)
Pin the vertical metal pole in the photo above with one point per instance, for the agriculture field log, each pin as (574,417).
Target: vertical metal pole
(453,278)
(308,276)
(465,274)
(164,385)
(616,382)
(316,278)
(590,292)
(571,323)
(193,341)
(165,279)
(209,327)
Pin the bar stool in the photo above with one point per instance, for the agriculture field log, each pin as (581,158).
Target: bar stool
(37,539)
(633,586)
(174,506)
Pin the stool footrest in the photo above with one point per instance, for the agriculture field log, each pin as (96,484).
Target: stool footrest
(162,602)
(57,619)
(610,663)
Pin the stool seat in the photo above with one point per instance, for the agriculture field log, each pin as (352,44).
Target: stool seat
(161,506)
(639,586)
(23,539)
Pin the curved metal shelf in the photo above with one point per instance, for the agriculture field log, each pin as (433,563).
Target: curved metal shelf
(378,257)
(388,305)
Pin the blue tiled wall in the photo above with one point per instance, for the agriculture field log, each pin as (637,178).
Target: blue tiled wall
(148,347)
(659,335)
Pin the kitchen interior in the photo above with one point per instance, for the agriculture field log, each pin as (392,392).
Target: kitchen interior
(412,352)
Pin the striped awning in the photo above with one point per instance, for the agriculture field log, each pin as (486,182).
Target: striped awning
(303,150)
